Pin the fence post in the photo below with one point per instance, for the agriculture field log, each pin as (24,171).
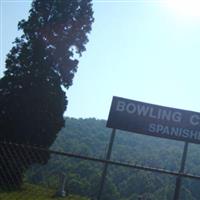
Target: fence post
(104,173)
(178,179)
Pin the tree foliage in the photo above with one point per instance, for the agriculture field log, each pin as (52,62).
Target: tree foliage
(44,58)
(42,61)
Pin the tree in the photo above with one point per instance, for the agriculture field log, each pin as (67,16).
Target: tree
(42,62)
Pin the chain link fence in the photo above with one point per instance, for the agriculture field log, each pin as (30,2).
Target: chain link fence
(24,174)
(34,173)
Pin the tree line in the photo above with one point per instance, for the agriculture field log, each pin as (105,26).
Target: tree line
(90,137)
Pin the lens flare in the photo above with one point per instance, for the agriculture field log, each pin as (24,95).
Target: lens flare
(187,8)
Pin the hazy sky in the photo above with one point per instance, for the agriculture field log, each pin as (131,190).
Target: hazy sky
(143,50)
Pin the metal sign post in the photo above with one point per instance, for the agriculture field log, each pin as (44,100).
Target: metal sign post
(104,173)
(153,120)
(178,179)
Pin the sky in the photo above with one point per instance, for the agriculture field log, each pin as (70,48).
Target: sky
(142,50)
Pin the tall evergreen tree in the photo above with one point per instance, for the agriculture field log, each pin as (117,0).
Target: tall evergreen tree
(42,62)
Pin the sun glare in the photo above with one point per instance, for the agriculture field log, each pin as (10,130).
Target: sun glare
(186,8)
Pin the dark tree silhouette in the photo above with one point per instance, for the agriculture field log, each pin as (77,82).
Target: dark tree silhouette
(42,62)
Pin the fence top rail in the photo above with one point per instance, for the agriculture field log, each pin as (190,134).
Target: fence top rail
(112,162)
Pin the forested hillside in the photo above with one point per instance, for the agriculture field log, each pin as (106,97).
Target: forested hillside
(90,137)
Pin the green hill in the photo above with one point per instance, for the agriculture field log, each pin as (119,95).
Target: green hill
(90,137)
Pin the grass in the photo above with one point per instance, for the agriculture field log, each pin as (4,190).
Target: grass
(33,192)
